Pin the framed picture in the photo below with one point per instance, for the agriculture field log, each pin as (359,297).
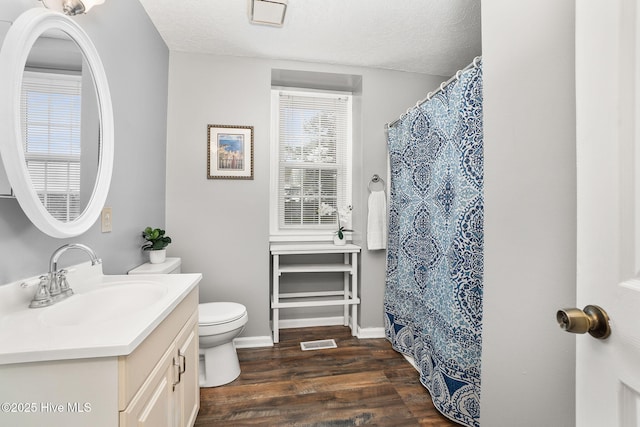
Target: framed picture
(229,152)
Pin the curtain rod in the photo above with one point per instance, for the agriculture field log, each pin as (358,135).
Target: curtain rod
(456,76)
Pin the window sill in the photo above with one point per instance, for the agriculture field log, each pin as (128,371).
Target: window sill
(323,236)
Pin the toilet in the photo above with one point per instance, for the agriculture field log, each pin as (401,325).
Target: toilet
(218,324)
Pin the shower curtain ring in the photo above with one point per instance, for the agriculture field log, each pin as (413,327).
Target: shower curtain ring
(476,60)
(458,74)
(442,86)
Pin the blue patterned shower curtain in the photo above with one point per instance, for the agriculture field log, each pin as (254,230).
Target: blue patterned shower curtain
(433,299)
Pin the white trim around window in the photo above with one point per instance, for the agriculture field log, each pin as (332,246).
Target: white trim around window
(311,162)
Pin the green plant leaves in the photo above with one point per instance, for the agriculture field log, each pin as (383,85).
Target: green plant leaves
(156,239)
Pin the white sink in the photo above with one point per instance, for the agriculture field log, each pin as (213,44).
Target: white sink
(109,315)
(104,303)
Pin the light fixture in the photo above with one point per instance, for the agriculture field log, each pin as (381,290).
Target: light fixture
(71,7)
(268,12)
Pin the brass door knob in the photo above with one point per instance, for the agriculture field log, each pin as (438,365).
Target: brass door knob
(592,319)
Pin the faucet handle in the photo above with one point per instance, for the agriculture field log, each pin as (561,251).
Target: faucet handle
(42,298)
(61,277)
(54,284)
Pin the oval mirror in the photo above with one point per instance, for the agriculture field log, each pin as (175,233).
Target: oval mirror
(57,147)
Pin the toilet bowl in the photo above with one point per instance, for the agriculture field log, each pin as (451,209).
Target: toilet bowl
(218,324)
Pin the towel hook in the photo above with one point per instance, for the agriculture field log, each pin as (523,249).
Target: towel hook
(375,179)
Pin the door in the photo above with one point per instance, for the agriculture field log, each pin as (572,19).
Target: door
(608,204)
(187,390)
(157,410)
(153,404)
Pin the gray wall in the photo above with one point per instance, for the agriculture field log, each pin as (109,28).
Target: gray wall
(136,62)
(220,227)
(530,212)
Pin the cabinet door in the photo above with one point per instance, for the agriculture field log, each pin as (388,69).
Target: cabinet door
(188,390)
(153,406)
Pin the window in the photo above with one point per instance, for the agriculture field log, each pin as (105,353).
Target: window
(310,159)
(51,118)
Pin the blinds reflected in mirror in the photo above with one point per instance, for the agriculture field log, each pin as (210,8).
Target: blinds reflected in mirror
(51,125)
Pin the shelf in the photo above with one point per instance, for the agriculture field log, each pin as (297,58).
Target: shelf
(325,303)
(312,294)
(346,297)
(312,248)
(315,268)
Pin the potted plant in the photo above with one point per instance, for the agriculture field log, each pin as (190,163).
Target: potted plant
(340,232)
(156,242)
(342,216)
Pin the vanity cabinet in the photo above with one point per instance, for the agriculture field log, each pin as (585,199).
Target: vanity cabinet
(153,406)
(169,395)
(187,389)
(154,385)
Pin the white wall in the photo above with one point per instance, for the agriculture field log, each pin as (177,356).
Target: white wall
(530,212)
(136,62)
(220,227)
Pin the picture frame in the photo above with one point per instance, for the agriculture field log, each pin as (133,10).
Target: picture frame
(229,152)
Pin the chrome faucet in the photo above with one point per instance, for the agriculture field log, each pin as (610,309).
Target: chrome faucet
(54,287)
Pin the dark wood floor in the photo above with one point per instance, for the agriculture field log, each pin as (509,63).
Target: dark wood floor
(360,382)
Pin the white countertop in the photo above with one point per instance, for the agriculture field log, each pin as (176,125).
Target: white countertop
(29,335)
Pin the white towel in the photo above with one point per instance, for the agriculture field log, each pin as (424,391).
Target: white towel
(377,221)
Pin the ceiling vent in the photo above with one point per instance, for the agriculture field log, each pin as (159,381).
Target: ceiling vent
(268,12)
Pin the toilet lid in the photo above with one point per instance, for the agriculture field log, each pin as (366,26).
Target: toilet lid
(214,313)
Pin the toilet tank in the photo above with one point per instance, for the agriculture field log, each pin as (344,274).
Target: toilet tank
(169,266)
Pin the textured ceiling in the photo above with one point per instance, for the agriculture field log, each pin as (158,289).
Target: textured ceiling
(426,36)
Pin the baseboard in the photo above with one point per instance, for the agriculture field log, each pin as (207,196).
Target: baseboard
(253,342)
(368,333)
(267,341)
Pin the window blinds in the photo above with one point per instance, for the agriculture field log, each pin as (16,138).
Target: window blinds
(314,142)
(51,115)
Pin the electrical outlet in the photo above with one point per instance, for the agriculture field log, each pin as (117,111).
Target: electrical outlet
(106,220)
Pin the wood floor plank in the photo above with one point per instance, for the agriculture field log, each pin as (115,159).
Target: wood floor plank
(362,382)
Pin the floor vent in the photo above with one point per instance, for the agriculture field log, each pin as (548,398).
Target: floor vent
(318,345)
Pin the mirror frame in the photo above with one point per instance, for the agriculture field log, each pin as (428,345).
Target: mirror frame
(13,57)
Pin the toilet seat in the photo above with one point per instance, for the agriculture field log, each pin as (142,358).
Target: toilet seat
(218,313)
